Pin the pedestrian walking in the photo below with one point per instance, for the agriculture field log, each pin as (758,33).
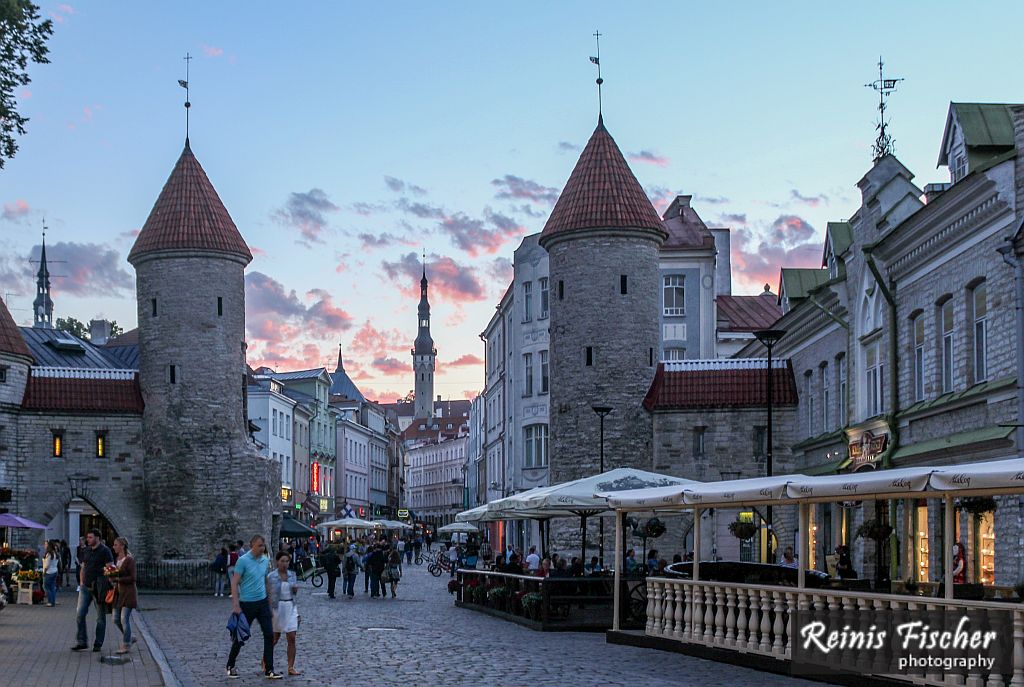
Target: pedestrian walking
(417,547)
(394,572)
(250,589)
(351,568)
(65,564)
(283,588)
(51,570)
(429,542)
(92,587)
(400,548)
(233,555)
(126,599)
(366,569)
(332,565)
(79,557)
(376,564)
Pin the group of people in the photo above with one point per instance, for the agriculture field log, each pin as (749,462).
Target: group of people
(379,559)
(105,578)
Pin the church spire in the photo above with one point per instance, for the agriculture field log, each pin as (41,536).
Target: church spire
(341,365)
(424,354)
(42,306)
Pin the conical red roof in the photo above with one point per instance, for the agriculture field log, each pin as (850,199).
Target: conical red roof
(602,192)
(10,335)
(189,215)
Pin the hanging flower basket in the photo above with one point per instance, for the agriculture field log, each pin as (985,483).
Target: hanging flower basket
(654,528)
(979,505)
(743,530)
(873,529)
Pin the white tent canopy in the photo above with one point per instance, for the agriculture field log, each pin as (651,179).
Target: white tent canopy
(458,527)
(392,524)
(580,496)
(996,474)
(857,485)
(478,514)
(703,494)
(351,523)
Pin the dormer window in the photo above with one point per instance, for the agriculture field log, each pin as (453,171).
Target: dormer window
(960,167)
(832,264)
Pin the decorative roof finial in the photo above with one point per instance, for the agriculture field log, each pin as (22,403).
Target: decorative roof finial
(884,144)
(184,84)
(597,61)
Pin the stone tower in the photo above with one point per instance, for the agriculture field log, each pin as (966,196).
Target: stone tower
(15,364)
(602,237)
(42,306)
(423,355)
(205,481)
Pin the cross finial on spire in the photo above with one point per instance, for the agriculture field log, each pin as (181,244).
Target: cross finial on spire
(597,61)
(884,144)
(184,84)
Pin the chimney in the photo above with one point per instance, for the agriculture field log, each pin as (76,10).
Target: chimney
(439,398)
(99,331)
(723,261)
(933,191)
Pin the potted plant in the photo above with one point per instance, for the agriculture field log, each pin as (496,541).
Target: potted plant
(453,586)
(979,505)
(478,595)
(497,597)
(743,530)
(531,604)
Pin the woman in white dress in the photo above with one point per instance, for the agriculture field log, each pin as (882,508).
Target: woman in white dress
(283,588)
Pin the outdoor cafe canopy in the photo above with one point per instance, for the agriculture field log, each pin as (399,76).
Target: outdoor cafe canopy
(392,524)
(349,523)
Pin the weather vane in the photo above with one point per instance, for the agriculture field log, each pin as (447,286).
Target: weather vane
(184,84)
(884,87)
(597,61)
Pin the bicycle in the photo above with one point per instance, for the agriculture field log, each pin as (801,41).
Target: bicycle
(427,556)
(314,575)
(439,565)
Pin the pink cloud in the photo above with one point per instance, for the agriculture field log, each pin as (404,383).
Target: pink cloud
(470,394)
(16,211)
(378,342)
(810,201)
(464,360)
(648,157)
(62,12)
(390,367)
(25,94)
(212,51)
(449,281)
(757,256)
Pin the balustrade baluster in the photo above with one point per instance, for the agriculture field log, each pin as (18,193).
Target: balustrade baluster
(719,615)
(669,616)
(730,617)
(709,615)
(741,618)
(653,606)
(687,610)
(697,629)
(766,625)
(1018,650)
(777,647)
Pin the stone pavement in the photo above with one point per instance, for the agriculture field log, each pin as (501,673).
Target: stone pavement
(35,650)
(421,638)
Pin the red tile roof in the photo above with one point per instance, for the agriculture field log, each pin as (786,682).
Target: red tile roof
(727,383)
(602,192)
(10,335)
(83,395)
(685,228)
(189,215)
(747,313)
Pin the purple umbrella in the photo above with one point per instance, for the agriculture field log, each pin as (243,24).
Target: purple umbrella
(11,520)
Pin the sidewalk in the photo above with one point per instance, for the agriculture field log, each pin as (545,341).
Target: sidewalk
(35,650)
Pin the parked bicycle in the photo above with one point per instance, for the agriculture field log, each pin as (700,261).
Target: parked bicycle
(425,557)
(439,565)
(309,571)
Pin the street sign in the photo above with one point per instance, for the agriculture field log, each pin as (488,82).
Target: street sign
(403,512)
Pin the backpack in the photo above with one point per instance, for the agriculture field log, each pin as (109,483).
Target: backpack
(350,564)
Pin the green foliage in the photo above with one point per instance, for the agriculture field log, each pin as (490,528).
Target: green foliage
(22,39)
(978,505)
(742,530)
(71,325)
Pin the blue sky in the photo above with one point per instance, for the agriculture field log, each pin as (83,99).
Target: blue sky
(344,137)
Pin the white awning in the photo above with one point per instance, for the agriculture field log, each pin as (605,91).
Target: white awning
(588,494)
(477,514)
(861,485)
(344,523)
(997,474)
(457,527)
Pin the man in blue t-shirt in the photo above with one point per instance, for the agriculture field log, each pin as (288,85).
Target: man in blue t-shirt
(250,589)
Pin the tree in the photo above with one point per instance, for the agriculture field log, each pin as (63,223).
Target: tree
(22,38)
(81,330)
(72,326)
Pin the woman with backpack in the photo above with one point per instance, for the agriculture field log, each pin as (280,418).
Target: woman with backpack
(350,569)
(220,572)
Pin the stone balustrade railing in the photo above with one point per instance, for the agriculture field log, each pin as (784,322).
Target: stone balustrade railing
(759,619)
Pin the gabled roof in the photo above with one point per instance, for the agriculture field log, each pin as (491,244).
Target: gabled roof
(840,236)
(685,228)
(797,282)
(723,383)
(984,125)
(11,340)
(602,193)
(189,215)
(747,313)
(299,374)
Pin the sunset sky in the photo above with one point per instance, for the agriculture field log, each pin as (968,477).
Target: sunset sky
(345,138)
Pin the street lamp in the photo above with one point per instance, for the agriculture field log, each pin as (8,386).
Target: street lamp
(601,412)
(768,338)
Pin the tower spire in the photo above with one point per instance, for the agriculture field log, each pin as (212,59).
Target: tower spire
(597,61)
(184,84)
(42,306)
(341,365)
(884,144)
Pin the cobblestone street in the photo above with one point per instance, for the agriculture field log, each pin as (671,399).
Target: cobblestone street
(417,638)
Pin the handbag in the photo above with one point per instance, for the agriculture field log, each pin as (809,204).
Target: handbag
(111,596)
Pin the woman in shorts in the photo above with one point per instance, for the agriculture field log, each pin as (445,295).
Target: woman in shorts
(283,588)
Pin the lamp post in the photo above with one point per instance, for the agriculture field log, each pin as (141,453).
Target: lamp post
(768,338)
(601,412)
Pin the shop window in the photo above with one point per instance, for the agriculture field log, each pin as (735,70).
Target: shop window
(986,544)
(921,548)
